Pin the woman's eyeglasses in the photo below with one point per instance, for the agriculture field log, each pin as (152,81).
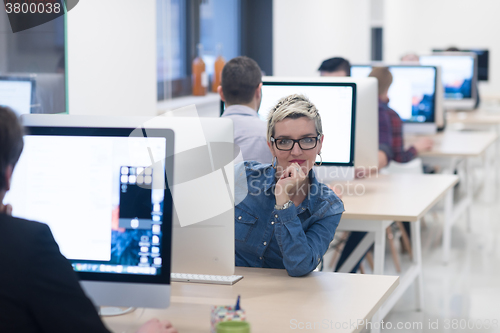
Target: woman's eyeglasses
(304,143)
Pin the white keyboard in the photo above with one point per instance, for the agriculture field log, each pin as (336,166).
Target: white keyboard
(200,278)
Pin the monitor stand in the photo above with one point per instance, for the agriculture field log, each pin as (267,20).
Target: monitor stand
(110,311)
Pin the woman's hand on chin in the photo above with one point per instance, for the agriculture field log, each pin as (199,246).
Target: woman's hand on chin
(289,182)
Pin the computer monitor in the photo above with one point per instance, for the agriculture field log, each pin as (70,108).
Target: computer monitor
(336,102)
(17,93)
(459,77)
(49,97)
(366,125)
(103,193)
(483,56)
(366,133)
(412,95)
(202,186)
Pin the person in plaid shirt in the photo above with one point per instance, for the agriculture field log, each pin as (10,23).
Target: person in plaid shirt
(391,125)
(391,148)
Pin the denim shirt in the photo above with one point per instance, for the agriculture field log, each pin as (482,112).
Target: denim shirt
(295,238)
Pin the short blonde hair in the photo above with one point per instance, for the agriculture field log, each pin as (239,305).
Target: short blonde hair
(293,106)
(384,78)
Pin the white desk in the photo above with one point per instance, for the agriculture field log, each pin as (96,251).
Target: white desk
(454,151)
(375,203)
(473,117)
(273,301)
(478,120)
(459,144)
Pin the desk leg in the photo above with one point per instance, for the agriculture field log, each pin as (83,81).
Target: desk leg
(448,223)
(417,260)
(489,179)
(470,193)
(378,265)
(379,249)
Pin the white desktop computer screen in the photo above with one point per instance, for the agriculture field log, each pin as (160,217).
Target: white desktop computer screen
(17,93)
(335,102)
(458,72)
(202,238)
(412,93)
(106,203)
(366,138)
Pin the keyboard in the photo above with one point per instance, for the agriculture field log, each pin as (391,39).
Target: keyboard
(200,278)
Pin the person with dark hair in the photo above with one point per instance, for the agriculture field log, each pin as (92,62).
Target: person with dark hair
(241,90)
(335,67)
(39,291)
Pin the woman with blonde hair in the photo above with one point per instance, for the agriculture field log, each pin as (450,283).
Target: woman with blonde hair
(287,218)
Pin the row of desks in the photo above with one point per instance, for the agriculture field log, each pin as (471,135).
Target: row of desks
(372,204)
(274,302)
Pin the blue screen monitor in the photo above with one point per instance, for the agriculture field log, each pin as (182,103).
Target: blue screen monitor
(459,77)
(412,93)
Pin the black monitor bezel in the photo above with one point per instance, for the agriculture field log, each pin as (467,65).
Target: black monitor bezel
(319,83)
(23,78)
(433,118)
(166,248)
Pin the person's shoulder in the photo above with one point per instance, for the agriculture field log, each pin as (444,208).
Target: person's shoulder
(393,114)
(253,167)
(253,171)
(24,237)
(21,225)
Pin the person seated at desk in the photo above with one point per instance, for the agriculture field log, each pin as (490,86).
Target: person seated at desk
(286,218)
(391,132)
(39,291)
(335,67)
(241,90)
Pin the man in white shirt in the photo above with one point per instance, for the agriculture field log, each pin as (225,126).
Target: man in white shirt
(240,89)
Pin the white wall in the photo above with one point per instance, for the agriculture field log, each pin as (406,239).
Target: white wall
(306,32)
(377,13)
(420,25)
(112,58)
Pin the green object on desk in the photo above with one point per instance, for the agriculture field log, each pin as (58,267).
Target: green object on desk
(233,327)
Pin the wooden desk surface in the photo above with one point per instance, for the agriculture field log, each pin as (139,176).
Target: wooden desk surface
(273,301)
(457,144)
(473,117)
(397,197)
